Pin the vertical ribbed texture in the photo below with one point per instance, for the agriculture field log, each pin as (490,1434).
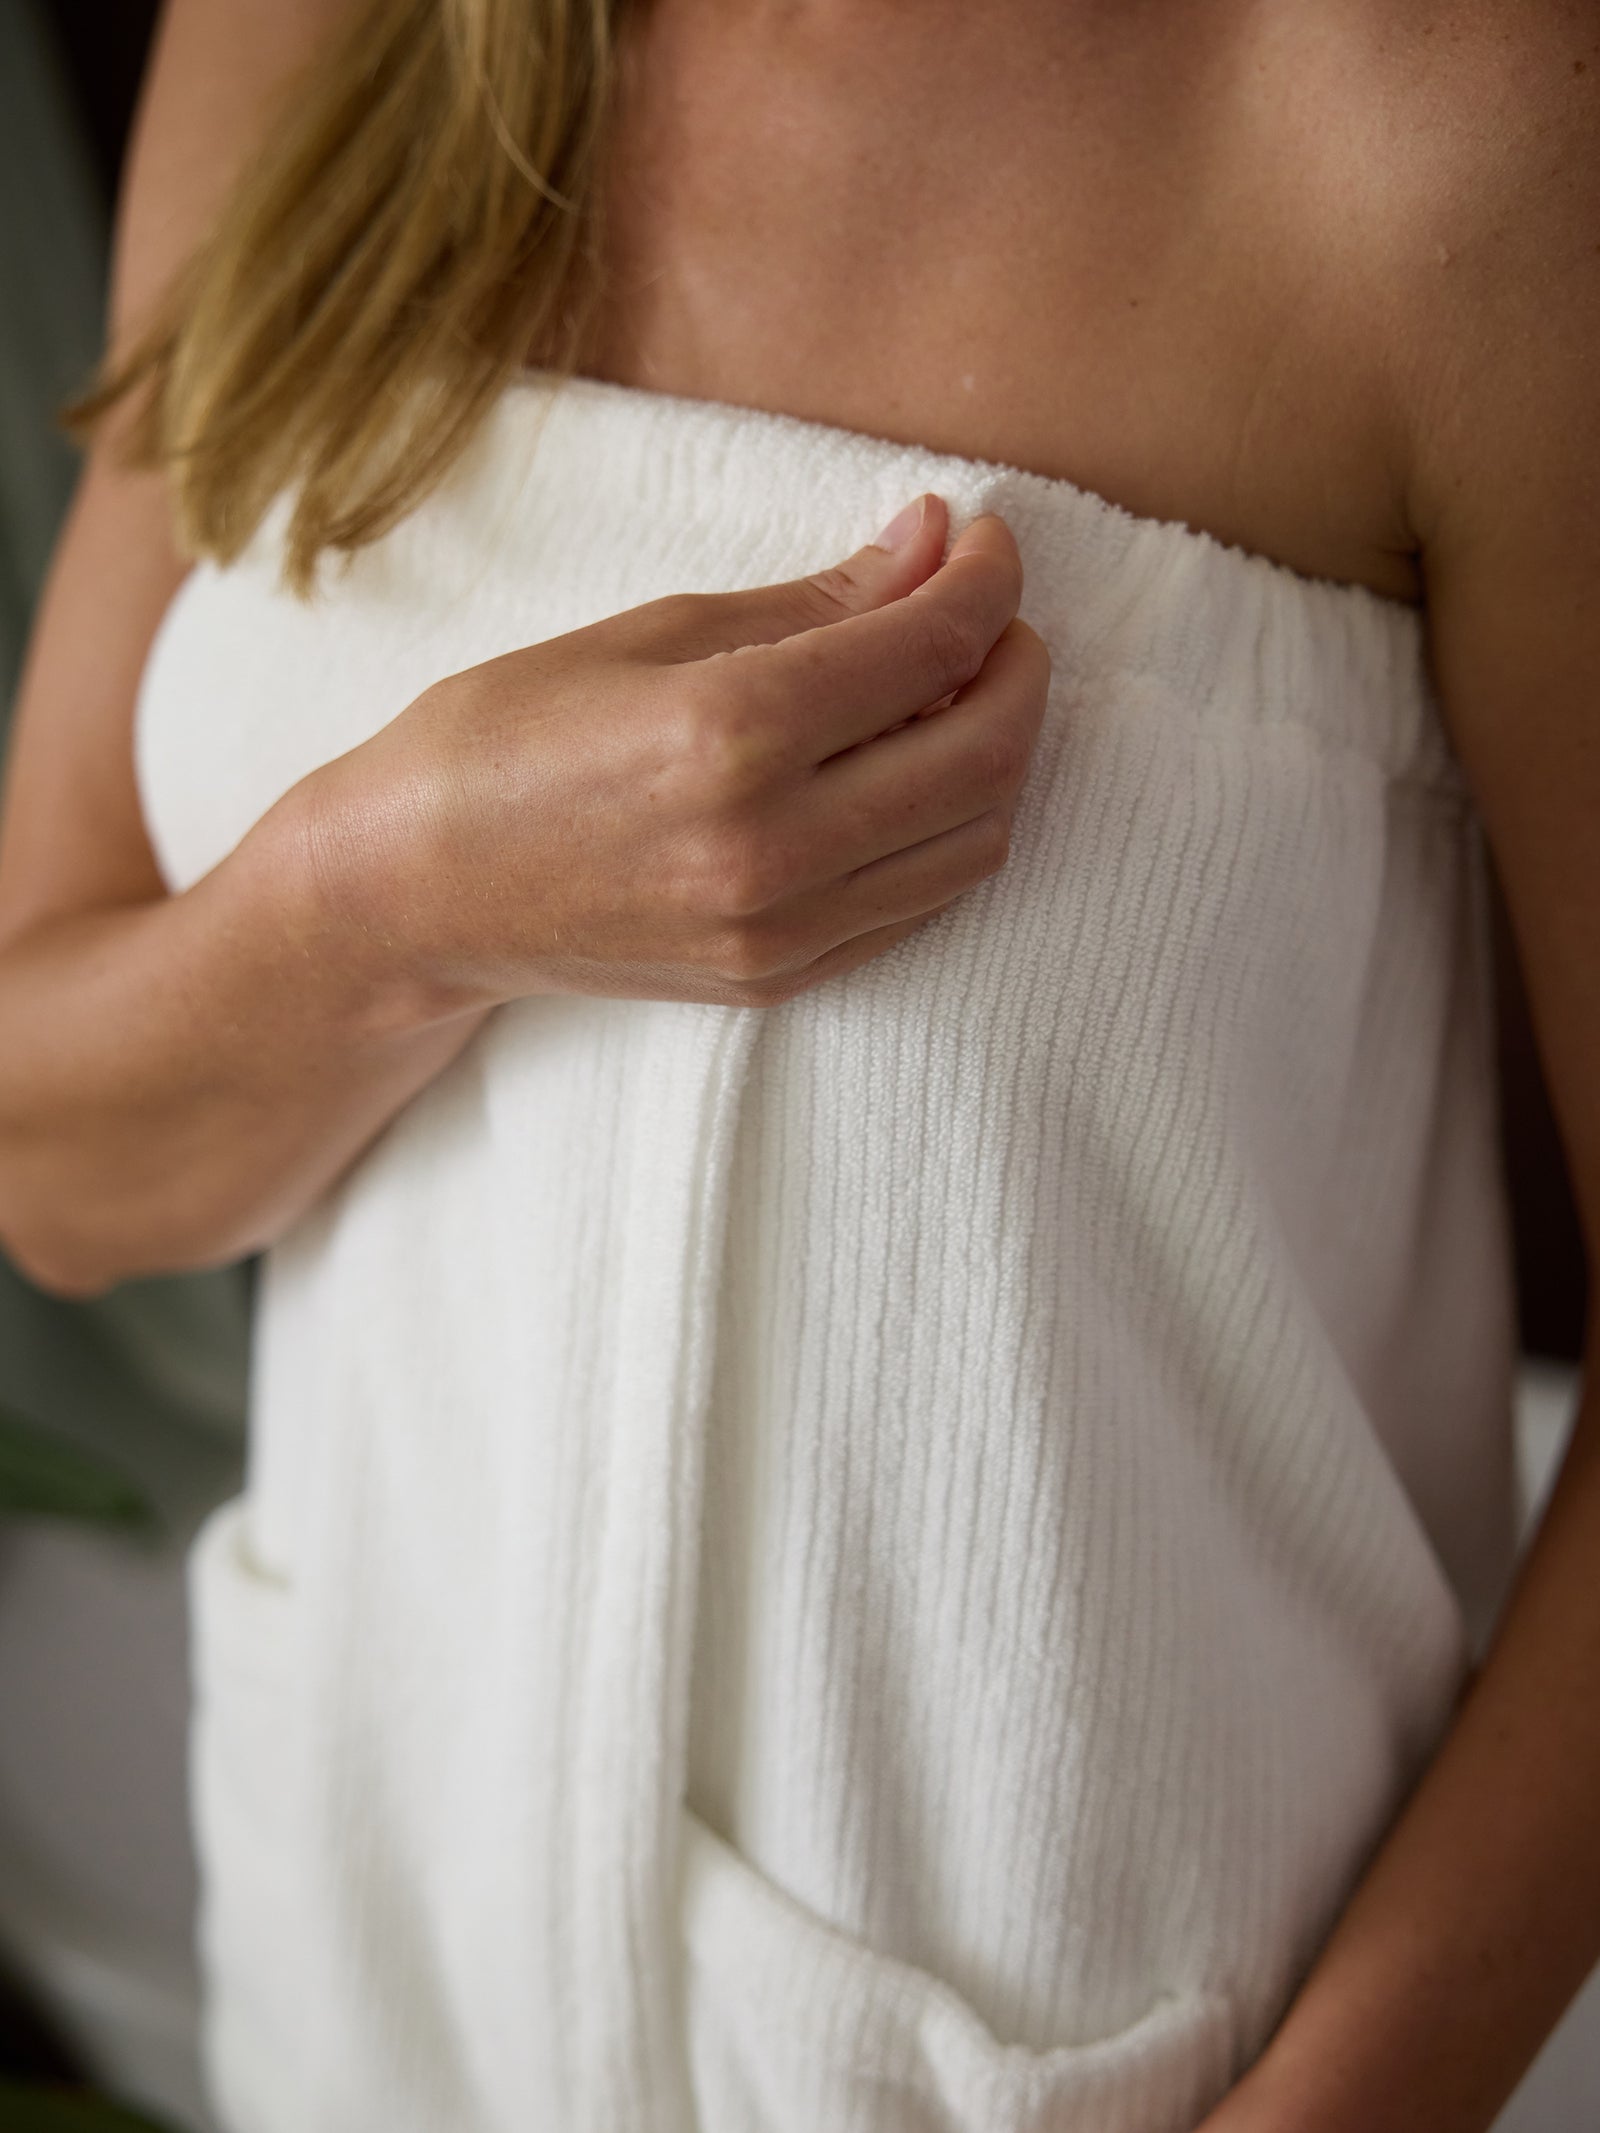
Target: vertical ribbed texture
(877,1565)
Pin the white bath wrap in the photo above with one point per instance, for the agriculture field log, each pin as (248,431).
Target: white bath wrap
(877,1565)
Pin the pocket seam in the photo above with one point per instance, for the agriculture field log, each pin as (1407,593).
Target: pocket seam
(726,1897)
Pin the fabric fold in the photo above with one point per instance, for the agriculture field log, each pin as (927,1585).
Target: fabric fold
(880,1561)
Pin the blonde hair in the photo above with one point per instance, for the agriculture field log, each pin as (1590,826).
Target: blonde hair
(422,223)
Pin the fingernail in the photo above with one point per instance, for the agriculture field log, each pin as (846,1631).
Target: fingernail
(903,525)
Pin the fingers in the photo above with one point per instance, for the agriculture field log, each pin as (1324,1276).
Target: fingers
(851,868)
(869,579)
(931,775)
(911,884)
(829,687)
(849,955)
(687,626)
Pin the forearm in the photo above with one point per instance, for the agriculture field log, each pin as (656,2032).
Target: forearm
(1478,1919)
(182,1078)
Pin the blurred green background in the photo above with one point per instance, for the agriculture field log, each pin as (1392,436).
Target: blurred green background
(121,1418)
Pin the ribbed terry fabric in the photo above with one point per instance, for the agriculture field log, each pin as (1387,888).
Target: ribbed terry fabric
(877,1565)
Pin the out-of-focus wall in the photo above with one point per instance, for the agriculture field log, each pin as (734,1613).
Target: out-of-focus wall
(96,1880)
(52,274)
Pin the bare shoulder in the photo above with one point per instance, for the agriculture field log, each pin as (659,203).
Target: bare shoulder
(1481,90)
(1493,246)
(1491,114)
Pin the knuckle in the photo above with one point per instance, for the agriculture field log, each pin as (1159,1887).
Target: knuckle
(1003,751)
(739,873)
(679,614)
(797,605)
(771,991)
(1001,565)
(468,697)
(951,641)
(994,843)
(721,744)
(670,626)
(826,595)
(1029,644)
(748,957)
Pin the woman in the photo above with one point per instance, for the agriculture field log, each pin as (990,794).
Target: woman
(880,1445)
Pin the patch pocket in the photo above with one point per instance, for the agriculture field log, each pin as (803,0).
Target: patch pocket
(794,2026)
(245,1795)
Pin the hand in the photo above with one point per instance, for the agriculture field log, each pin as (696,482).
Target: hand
(716,797)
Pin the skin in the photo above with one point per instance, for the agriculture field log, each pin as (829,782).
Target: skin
(1324,282)
(187,1074)
(1098,265)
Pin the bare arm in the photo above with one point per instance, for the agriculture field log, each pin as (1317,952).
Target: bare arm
(149,1038)
(183,1075)
(1478,1918)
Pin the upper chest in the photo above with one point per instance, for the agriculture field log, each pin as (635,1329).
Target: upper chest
(1145,248)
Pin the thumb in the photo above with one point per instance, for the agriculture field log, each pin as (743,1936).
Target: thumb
(894,563)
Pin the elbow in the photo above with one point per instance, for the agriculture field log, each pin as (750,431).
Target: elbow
(71,1284)
(56,1264)
(66,1249)
(77,1245)
(43,1236)
(77,1263)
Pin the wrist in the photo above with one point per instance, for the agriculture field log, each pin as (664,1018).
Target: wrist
(344,911)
